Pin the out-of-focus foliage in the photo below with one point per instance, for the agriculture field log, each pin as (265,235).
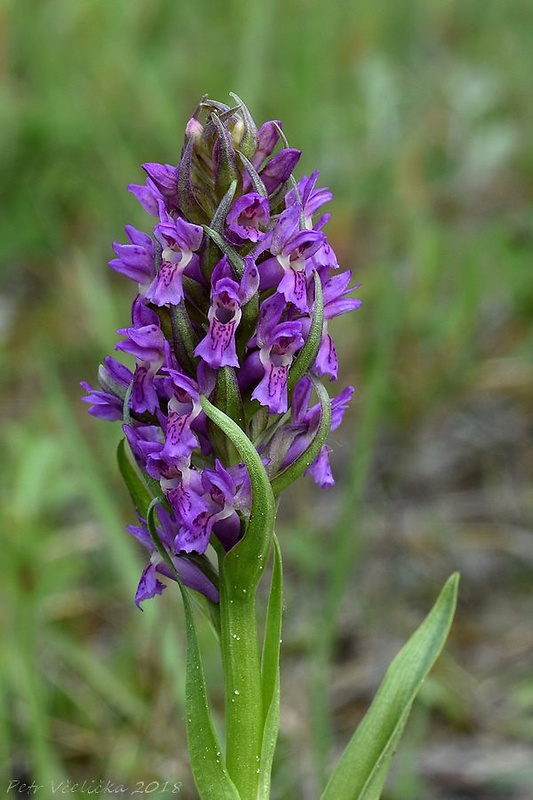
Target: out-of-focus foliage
(419,114)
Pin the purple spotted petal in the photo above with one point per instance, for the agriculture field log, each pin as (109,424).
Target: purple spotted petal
(248,214)
(293,287)
(326,361)
(320,469)
(167,287)
(148,586)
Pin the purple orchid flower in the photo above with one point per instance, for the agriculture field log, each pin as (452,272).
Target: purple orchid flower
(336,302)
(293,249)
(103,405)
(278,342)
(320,469)
(179,240)
(164,177)
(217,348)
(248,214)
(108,401)
(148,195)
(311,200)
(207,503)
(183,408)
(277,171)
(267,139)
(148,344)
(191,574)
(135,260)
(146,443)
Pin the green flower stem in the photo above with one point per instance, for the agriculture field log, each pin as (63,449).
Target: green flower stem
(243,687)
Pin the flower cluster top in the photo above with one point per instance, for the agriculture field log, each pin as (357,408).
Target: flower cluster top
(227,298)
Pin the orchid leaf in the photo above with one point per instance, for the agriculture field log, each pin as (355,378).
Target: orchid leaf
(210,774)
(307,356)
(231,254)
(270,677)
(362,770)
(246,559)
(209,252)
(227,398)
(136,485)
(298,467)
(184,339)
(208,768)
(255,179)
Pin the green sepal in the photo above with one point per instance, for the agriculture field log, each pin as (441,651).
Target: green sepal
(248,142)
(126,411)
(362,770)
(195,293)
(207,765)
(270,677)
(188,204)
(210,257)
(109,384)
(233,257)
(227,398)
(298,467)
(184,339)
(137,485)
(226,171)
(276,199)
(219,217)
(255,178)
(307,355)
(245,561)
(280,193)
(248,323)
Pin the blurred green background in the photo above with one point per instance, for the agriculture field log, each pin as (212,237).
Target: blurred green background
(419,114)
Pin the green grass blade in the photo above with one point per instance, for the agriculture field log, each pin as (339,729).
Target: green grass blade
(362,769)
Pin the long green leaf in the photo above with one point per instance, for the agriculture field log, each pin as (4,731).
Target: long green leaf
(362,769)
(270,677)
(208,768)
(298,467)
(207,765)
(135,484)
(309,351)
(245,561)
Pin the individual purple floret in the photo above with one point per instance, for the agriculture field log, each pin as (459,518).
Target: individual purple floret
(179,240)
(237,287)
(218,348)
(248,217)
(135,260)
